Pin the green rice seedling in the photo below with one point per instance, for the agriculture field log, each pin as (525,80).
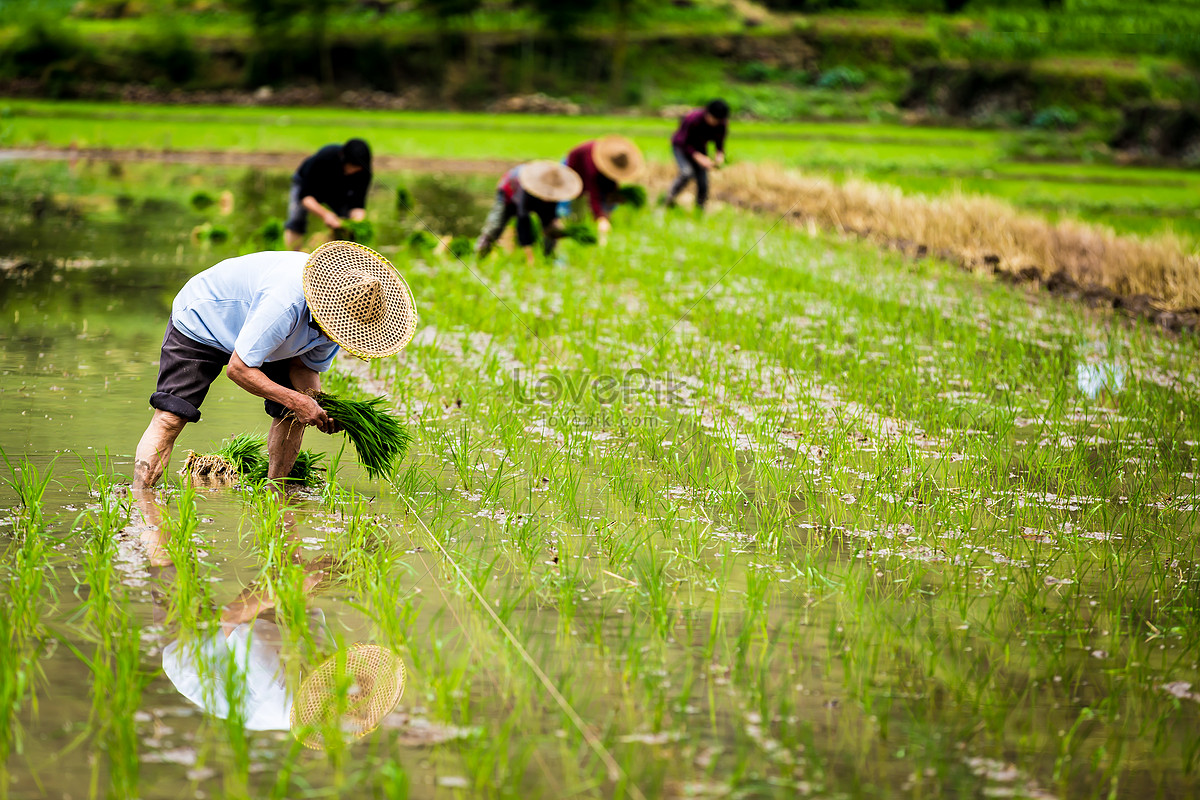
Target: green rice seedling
(306,471)
(208,233)
(461,246)
(422,241)
(361,231)
(404,200)
(242,456)
(29,484)
(202,200)
(270,233)
(380,440)
(581,232)
(633,195)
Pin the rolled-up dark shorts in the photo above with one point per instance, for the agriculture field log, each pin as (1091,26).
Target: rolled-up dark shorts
(297,218)
(187,368)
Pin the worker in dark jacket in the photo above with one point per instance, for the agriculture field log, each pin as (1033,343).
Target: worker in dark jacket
(532,189)
(332,183)
(604,165)
(690,144)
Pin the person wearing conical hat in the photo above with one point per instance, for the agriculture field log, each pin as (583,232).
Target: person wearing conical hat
(274,321)
(528,190)
(604,165)
(690,146)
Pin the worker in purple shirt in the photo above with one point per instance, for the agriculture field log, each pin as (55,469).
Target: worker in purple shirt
(690,143)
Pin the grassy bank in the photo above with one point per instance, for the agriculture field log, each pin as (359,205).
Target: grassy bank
(1016,67)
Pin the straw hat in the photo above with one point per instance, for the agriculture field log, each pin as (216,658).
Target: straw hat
(374,677)
(618,159)
(359,299)
(550,180)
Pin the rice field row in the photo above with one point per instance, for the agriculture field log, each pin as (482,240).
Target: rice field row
(771,512)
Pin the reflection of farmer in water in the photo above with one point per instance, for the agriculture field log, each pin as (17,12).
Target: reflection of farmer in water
(332,183)
(246,647)
(240,666)
(277,320)
(604,165)
(526,191)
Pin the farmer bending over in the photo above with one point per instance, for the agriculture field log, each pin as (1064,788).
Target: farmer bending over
(332,183)
(603,165)
(277,320)
(535,188)
(690,144)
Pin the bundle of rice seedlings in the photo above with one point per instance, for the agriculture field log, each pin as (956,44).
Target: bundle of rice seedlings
(243,455)
(582,232)
(244,458)
(306,470)
(271,232)
(202,200)
(379,438)
(210,233)
(421,241)
(361,231)
(461,246)
(404,200)
(633,195)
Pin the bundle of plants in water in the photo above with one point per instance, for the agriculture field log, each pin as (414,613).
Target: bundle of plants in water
(306,470)
(633,195)
(379,438)
(244,458)
(582,232)
(461,246)
(271,232)
(361,231)
(242,455)
(421,241)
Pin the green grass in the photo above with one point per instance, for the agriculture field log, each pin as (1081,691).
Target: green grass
(929,160)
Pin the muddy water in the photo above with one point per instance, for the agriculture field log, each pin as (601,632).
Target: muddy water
(83,308)
(87,281)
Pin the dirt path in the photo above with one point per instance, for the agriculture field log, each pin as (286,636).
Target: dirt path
(268,160)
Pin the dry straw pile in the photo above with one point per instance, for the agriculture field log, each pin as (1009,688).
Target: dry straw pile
(976,232)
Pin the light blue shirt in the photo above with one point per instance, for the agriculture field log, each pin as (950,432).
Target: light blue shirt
(254,306)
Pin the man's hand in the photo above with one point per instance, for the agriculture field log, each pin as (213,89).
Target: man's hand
(720,158)
(703,160)
(603,226)
(333,221)
(308,412)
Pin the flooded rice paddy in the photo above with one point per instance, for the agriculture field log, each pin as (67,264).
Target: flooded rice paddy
(697,515)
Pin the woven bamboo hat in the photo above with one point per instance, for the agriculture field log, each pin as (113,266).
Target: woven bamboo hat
(618,159)
(353,696)
(359,299)
(550,180)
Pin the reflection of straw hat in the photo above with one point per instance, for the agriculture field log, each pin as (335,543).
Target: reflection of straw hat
(618,159)
(550,180)
(359,299)
(374,679)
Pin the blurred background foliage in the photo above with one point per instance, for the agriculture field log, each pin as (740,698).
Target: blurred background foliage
(1120,68)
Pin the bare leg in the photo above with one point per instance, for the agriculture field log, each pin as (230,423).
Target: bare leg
(293,240)
(150,532)
(283,445)
(154,450)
